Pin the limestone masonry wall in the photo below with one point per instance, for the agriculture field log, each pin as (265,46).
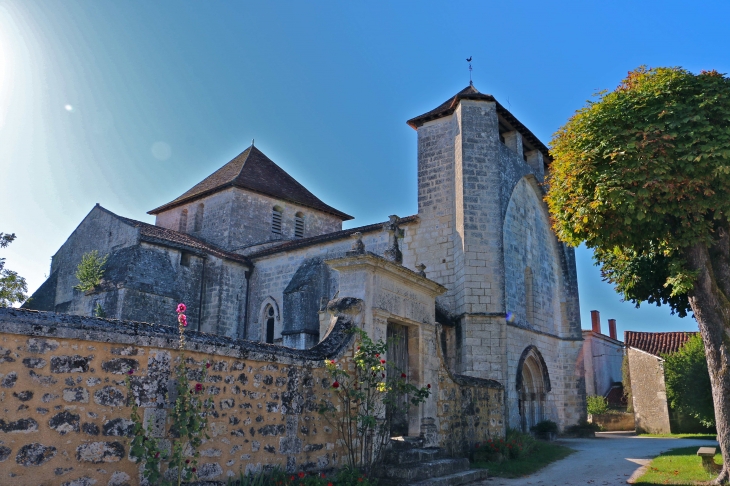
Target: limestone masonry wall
(64,399)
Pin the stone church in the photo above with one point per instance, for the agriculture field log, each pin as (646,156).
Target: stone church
(476,279)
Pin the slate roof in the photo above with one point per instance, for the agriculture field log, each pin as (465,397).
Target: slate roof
(337,235)
(657,343)
(471,93)
(254,171)
(155,234)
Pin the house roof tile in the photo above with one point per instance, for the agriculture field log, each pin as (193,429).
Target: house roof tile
(657,343)
(254,171)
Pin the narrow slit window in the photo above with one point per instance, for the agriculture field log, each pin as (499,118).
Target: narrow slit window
(276,222)
(199,217)
(270,325)
(183,221)
(529,296)
(299,225)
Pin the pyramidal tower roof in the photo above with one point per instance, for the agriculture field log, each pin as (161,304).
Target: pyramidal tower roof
(254,171)
(506,119)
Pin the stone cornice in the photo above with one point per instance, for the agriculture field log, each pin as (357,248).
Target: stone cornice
(373,262)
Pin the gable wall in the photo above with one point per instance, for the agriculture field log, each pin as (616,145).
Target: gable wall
(649,392)
(99,231)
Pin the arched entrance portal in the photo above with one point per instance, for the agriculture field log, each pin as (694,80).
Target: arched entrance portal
(533,385)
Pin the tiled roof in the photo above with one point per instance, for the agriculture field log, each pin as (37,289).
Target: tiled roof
(337,235)
(657,343)
(254,171)
(155,234)
(471,93)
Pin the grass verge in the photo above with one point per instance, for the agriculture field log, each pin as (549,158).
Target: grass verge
(677,466)
(681,436)
(544,454)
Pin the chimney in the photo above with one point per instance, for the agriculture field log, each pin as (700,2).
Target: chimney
(596,321)
(612,328)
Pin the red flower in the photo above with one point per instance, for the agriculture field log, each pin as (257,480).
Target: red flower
(329,484)
(402,375)
(336,384)
(181,308)
(198,387)
(382,361)
(291,478)
(377,355)
(428,386)
(207,364)
(187,461)
(157,455)
(195,469)
(301,475)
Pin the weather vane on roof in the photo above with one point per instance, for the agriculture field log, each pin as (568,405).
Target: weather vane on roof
(469,61)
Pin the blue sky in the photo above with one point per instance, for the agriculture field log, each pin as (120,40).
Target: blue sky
(130,103)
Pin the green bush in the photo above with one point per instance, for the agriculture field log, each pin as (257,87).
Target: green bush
(597,405)
(545,428)
(688,382)
(514,446)
(583,429)
(278,477)
(90,270)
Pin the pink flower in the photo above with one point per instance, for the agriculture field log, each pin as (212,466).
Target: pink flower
(207,364)
(181,308)
(130,372)
(182,319)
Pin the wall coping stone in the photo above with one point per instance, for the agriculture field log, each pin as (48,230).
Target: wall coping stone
(50,324)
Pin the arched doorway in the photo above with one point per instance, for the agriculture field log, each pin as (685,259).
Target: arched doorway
(533,385)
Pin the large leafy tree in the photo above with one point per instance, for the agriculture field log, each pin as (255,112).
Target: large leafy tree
(13,287)
(641,174)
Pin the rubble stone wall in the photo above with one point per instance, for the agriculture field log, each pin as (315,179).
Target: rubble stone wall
(65,413)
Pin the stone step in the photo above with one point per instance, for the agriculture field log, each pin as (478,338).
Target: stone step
(456,479)
(398,474)
(400,443)
(410,456)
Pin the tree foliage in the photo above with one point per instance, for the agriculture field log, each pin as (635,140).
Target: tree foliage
(13,287)
(643,172)
(642,176)
(90,270)
(688,382)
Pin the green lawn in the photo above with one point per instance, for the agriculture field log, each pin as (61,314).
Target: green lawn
(682,436)
(544,454)
(677,466)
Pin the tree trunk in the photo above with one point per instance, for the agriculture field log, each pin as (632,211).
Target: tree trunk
(711,307)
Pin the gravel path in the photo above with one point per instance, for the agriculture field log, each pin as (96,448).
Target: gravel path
(609,459)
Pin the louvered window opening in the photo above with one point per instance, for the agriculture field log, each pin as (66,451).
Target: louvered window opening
(298,227)
(276,222)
